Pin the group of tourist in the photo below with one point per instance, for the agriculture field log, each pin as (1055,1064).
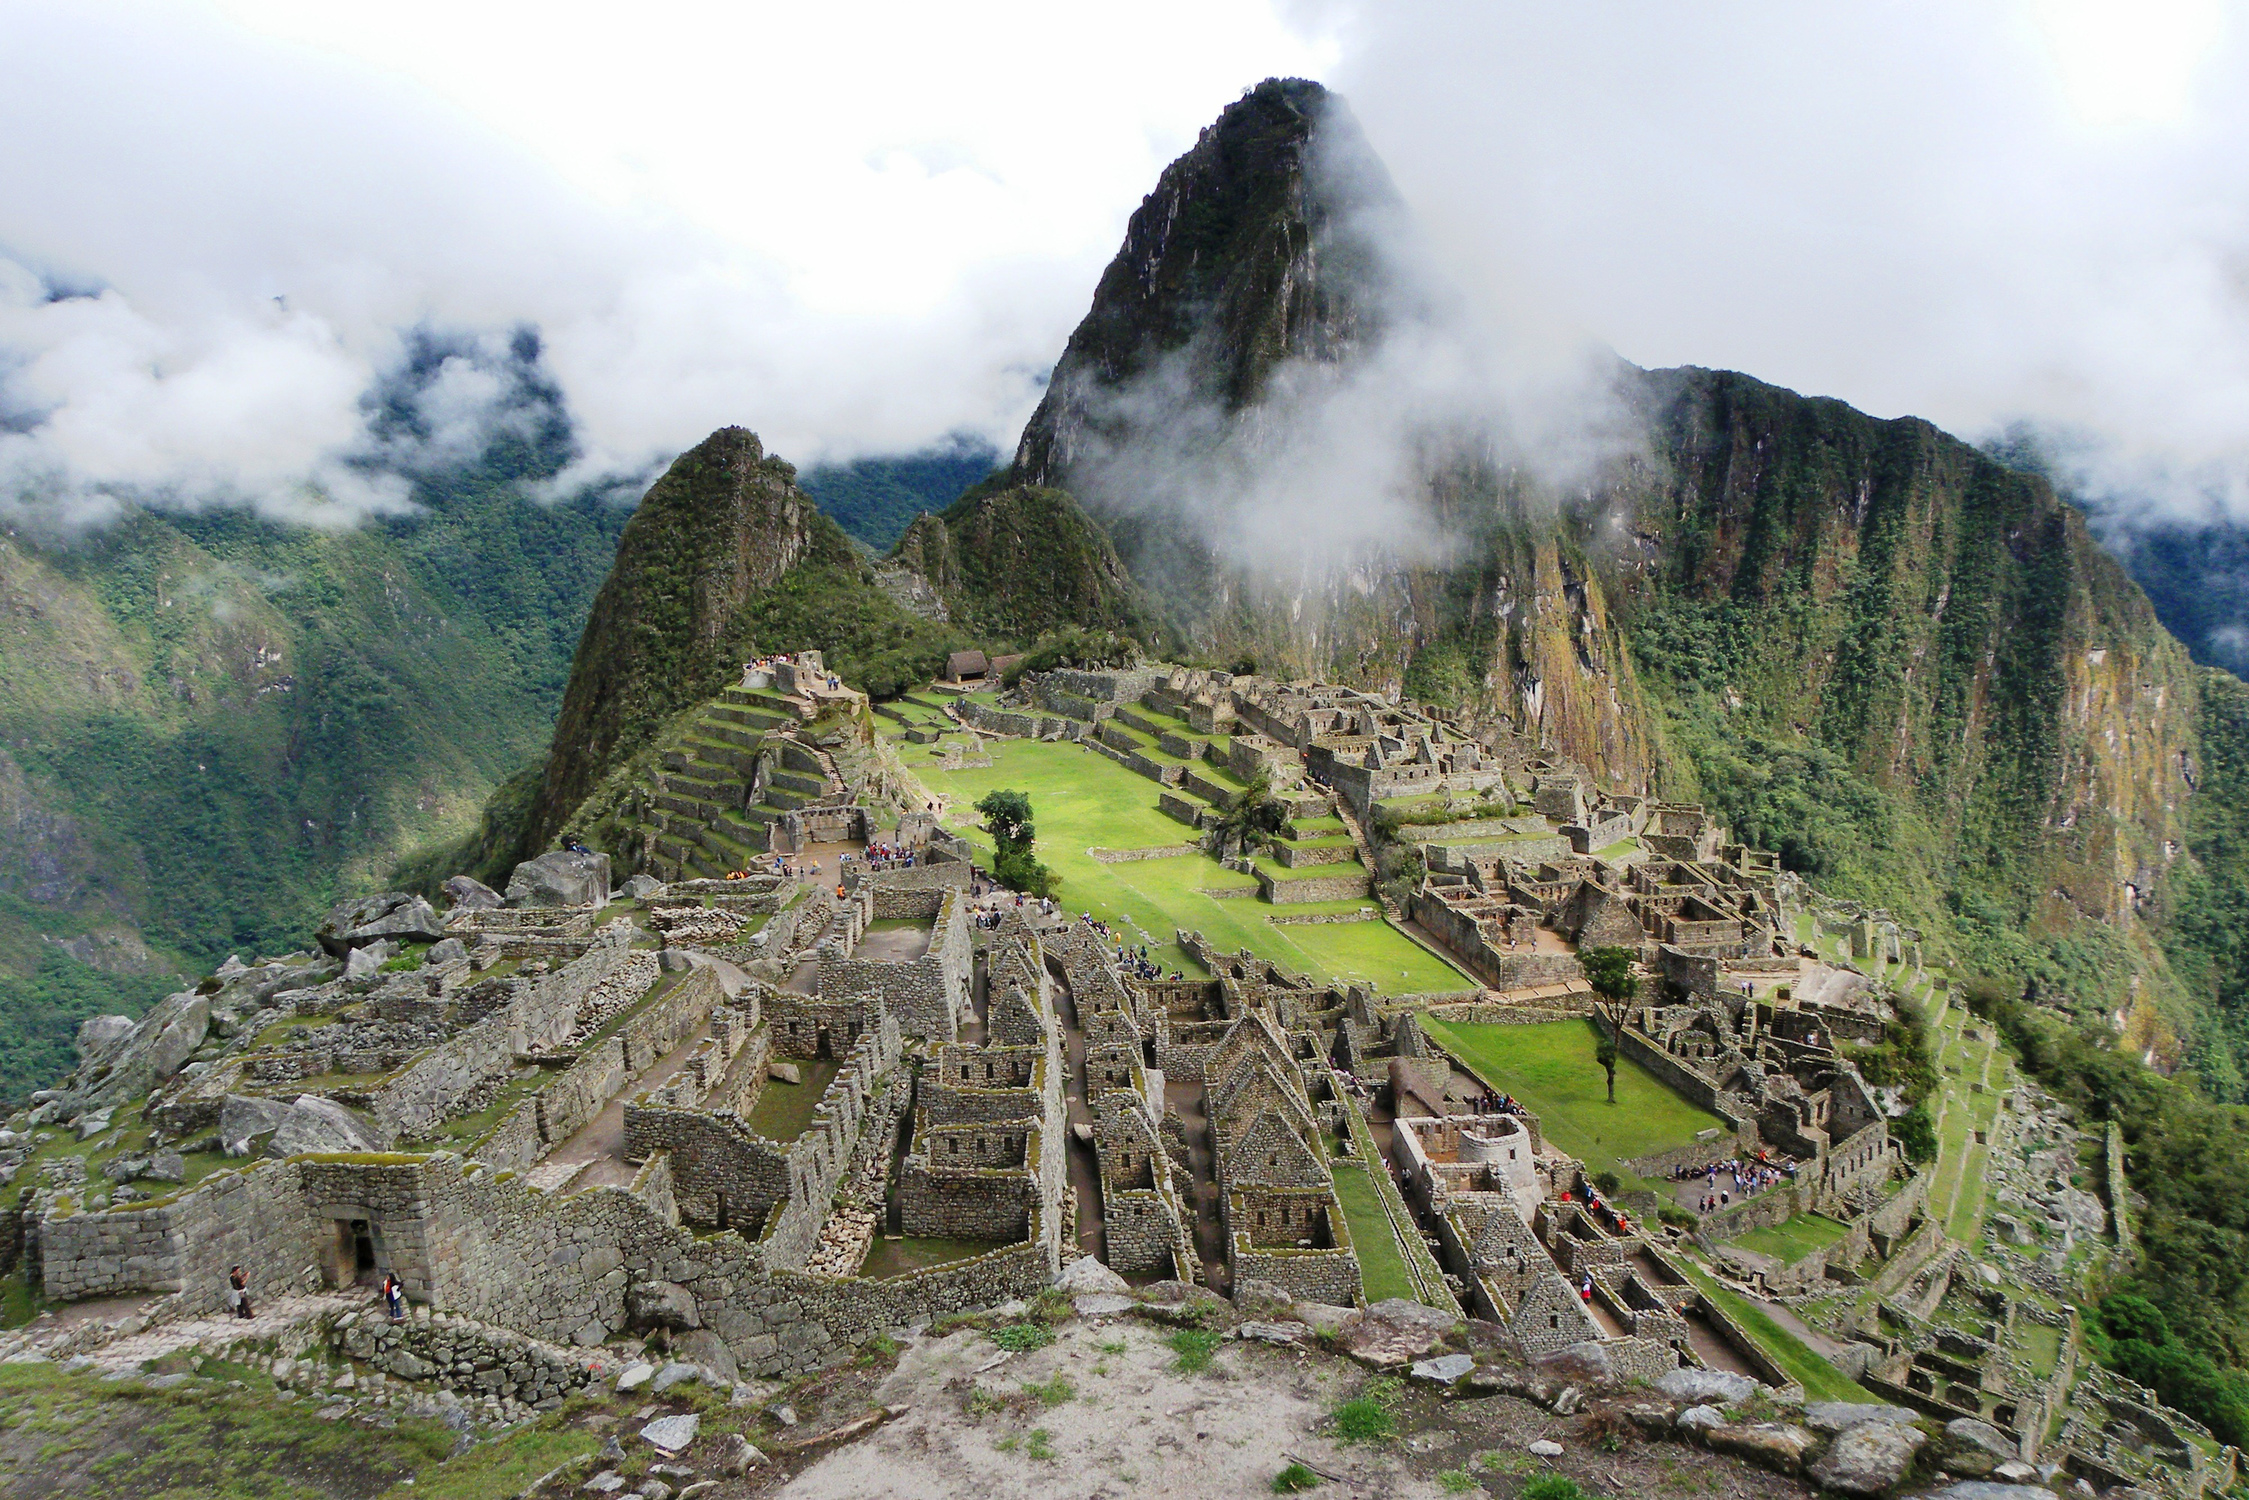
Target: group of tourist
(1748,1178)
(1139,965)
(1493,1104)
(890,857)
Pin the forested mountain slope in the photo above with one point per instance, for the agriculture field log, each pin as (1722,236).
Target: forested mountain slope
(210,725)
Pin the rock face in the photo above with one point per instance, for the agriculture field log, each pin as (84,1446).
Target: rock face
(1968,650)
(395,916)
(560,879)
(1087,1275)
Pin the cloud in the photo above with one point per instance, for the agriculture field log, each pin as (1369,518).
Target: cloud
(1975,214)
(856,231)
(851,232)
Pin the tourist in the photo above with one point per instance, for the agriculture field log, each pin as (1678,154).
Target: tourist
(394,1298)
(238,1292)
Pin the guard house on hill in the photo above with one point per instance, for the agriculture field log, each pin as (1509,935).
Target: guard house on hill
(967,666)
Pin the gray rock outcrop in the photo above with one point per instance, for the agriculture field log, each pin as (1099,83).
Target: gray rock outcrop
(1868,1459)
(464,893)
(309,1123)
(97,1034)
(147,1055)
(560,879)
(396,915)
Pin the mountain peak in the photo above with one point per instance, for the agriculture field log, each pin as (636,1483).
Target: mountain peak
(1252,249)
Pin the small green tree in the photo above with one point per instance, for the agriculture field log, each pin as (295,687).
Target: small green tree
(1609,971)
(1247,818)
(1007,818)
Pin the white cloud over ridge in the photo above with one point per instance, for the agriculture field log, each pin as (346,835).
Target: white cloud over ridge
(853,233)
(858,231)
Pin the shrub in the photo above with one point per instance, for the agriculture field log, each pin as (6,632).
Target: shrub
(1552,1487)
(1021,1338)
(1365,1418)
(1194,1348)
(1294,1480)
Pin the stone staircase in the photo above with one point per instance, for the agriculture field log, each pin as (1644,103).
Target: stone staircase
(699,818)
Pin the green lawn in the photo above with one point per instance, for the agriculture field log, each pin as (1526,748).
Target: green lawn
(1821,1380)
(1790,1242)
(1551,1068)
(1382,1265)
(1082,800)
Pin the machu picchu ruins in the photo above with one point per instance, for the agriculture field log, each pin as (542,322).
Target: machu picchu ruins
(779,1069)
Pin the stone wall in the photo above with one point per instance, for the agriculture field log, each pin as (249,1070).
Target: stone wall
(1350,887)
(910,894)
(775,1194)
(465,1356)
(568,1102)
(929,994)
(1681,1079)
(252,1218)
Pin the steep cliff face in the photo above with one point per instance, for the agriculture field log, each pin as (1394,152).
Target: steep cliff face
(724,523)
(1942,626)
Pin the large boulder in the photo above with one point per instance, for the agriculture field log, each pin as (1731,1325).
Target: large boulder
(1868,1459)
(1584,1364)
(147,1055)
(97,1034)
(1716,1387)
(397,915)
(465,893)
(1841,1416)
(1394,1333)
(560,879)
(309,1123)
(1088,1275)
(662,1304)
(1778,1446)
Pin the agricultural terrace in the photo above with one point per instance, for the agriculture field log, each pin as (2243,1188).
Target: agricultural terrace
(1552,1069)
(1083,801)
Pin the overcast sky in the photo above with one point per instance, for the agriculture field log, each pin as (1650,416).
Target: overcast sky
(857,229)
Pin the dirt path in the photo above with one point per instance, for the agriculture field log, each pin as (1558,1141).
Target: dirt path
(599,1147)
(1085,1165)
(1135,1429)
(1210,1234)
(275,1317)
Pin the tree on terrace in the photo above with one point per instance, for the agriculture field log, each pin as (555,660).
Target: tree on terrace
(1007,818)
(1609,971)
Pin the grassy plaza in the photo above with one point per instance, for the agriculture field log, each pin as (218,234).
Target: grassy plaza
(1083,801)
(1551,1068)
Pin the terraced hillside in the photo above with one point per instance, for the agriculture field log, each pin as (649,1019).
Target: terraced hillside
(700,802)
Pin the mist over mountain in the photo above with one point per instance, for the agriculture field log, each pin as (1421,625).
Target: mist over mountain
(877,498)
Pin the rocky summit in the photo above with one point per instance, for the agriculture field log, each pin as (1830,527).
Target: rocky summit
(1710,979)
